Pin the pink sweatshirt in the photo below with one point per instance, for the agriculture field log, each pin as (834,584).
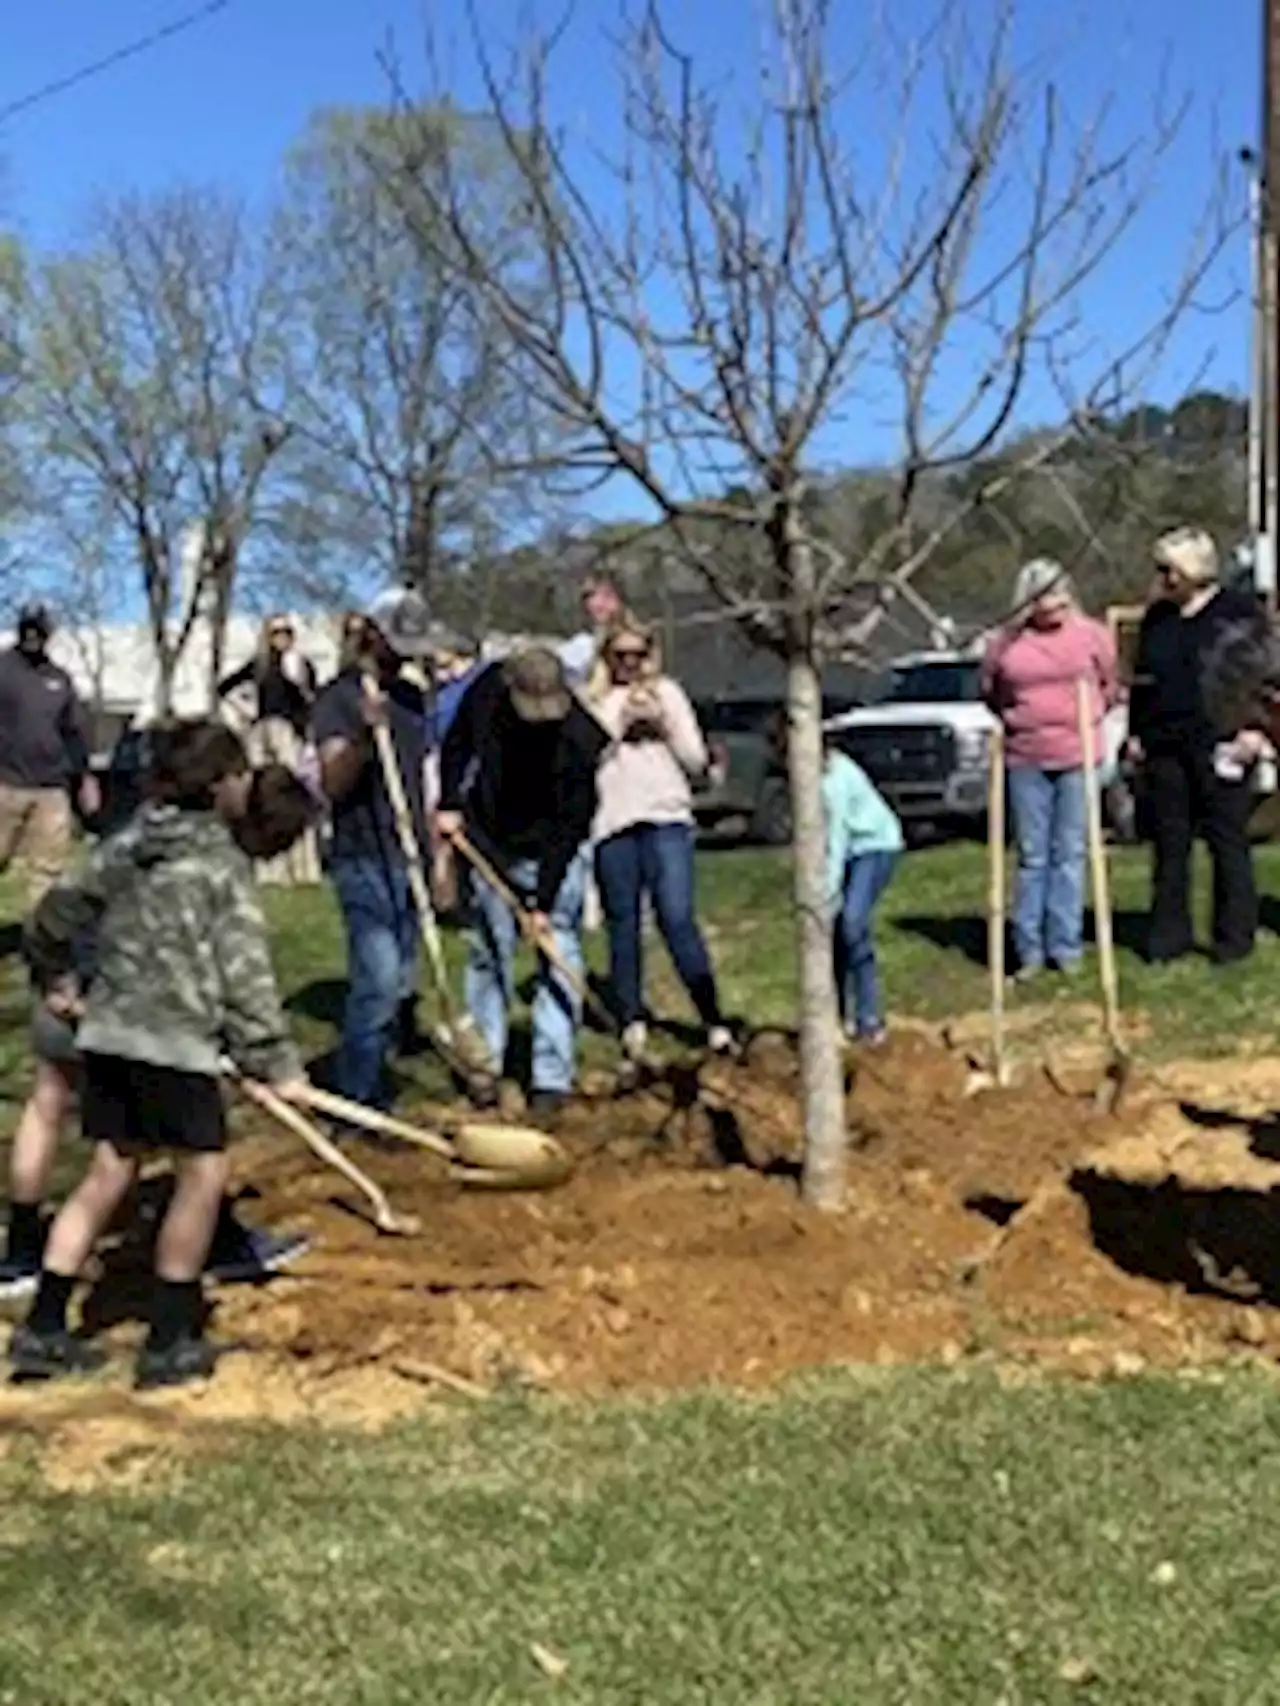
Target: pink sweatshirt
(648,781)
(1029,680)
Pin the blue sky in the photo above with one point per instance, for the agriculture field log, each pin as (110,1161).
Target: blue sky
(222,102)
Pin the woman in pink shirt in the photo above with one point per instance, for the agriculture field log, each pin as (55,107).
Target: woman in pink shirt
(1029,679)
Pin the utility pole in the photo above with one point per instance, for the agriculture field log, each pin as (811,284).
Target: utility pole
(1268,367)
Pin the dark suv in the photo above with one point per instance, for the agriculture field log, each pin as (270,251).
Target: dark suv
(746,783)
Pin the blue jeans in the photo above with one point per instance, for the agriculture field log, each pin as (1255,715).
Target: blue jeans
(1050,823)
(491,950)
(866,877)
(382,970)
(654,859)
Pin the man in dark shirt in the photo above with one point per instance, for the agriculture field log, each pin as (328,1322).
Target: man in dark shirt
(1198,777)
(365,861)
(44,755)
(518,774)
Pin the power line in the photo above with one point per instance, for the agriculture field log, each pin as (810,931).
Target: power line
(143,44)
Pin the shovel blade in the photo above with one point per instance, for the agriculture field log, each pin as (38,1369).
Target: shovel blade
(1111,1092)
(545,1178)
(511,1149)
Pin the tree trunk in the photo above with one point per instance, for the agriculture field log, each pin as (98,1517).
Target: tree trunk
(217,619)
(821,1049)
(166,670)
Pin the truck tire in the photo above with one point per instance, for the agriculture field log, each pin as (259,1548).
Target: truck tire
(771,820)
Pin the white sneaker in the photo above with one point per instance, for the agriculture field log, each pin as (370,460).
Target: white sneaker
(635,1039)
(720,1039)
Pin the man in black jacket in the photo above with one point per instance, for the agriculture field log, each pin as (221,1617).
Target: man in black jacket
(1197,774)
(518,774)
(44,754)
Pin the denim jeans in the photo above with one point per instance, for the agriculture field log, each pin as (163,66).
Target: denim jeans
(866,877)
(491,950)
(1050,823)
(654,859)
(382,970)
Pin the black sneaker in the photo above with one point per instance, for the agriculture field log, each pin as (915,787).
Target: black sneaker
(19,1277)
(251,1255)
(180,1363)
(546,1104)
(47,1356)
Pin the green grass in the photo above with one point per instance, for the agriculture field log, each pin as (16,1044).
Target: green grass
(921,1539)
(903,1538)
(932,938)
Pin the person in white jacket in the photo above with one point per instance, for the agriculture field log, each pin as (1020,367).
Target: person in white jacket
(644,829)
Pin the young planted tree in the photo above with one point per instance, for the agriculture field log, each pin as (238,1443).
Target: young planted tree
(404,389)
(893,254)
(152,367)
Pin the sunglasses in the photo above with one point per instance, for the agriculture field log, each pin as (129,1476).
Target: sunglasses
(630,654)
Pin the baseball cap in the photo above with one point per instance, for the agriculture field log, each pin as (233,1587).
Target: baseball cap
(400,616)
(536,682)
(35,616)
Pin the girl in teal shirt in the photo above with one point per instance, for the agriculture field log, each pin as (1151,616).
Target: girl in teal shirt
(864,844)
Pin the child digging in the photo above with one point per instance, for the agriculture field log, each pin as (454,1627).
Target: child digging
(277,811)
(864,844)
(183,978)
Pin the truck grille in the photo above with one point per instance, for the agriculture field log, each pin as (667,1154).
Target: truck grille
(912,755)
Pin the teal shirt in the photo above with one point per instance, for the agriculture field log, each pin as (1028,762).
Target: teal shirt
(859,819)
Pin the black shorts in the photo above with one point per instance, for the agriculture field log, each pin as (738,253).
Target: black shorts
(135,1106)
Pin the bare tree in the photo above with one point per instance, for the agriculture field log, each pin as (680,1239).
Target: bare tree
(754,283)
(404,391)
(12,485)
(153,361)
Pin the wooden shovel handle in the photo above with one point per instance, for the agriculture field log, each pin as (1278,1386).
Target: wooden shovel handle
(292,1120)
(543,940)
(393,781)
(370,1119)
(996,892)
(1098,866)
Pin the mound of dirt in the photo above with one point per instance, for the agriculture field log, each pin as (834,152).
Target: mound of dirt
(1014,1224)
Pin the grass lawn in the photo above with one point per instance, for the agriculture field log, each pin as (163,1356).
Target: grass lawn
(907,1538)
(921,1540)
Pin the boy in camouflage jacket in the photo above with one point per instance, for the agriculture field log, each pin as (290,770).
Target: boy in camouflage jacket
(183,979)
(278,810)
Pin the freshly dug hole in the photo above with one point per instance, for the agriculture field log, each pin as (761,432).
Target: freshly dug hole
(680,1251)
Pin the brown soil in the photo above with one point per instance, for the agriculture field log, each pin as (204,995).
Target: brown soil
(679,1252)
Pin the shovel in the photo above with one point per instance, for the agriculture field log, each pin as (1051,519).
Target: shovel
(545,943)
(459,1041)
(542,940)
(981,1078)
(1110,1093)
(385,1218)
(484,1156)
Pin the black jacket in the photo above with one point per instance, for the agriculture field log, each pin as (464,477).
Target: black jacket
(277,695)
(1166,703)
(43,738)
(527,790)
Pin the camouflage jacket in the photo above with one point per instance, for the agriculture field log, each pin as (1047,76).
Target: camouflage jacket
(183,971)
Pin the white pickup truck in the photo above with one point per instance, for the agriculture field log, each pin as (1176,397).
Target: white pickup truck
(925,742)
